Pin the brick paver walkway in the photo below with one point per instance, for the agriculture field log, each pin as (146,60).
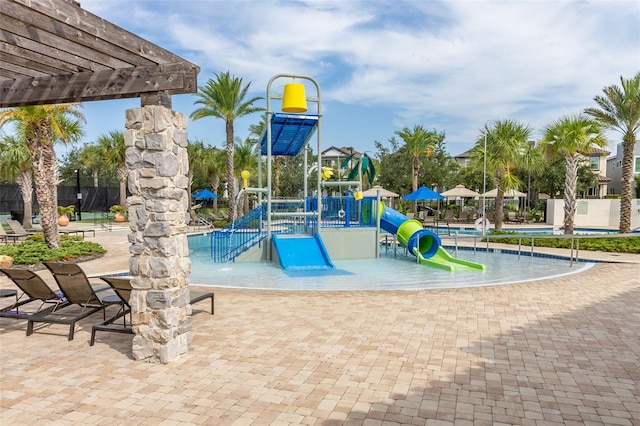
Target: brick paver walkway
(563,351)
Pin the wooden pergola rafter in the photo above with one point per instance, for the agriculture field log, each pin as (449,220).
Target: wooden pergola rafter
(53,51)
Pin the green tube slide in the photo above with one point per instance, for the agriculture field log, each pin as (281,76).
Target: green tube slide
(422,243)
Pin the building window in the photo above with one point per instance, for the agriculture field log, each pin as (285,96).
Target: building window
(636,169)
(595,163)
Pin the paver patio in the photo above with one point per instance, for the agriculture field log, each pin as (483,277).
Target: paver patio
(561,351)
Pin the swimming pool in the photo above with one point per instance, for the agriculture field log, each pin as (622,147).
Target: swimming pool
(384,273)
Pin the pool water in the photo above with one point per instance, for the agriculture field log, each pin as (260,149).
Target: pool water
(384,273)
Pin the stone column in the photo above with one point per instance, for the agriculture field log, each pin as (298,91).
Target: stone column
(156,140)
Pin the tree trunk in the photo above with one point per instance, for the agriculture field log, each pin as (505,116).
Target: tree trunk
(230,171)
(25,180)
(627,174)
(215,183)
(570,188)
(44,162)
(95,177)
(499,211)
(498,214)
(122,178)
(276,176)
(244,200)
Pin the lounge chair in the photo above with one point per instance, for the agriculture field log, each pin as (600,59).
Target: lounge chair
(449,216)
(77,289)
(513,217)
(4,236)
(17,228)
(122,287)
(34,289)
(198,220)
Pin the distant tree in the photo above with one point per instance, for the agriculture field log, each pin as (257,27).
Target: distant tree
(113,150)
(569,137)
(92,157)
(292,176)
(224,98)
(15,164)
(506,141)
(395,172)
(620,110)
(419,142)
(41,127)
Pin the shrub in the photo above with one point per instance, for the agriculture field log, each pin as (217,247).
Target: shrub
(33,250)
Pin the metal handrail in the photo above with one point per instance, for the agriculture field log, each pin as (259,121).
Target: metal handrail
(574,249)
(238,237)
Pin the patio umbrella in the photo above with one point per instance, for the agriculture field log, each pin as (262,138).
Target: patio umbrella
(460,191)
(511,193)
(423,193)
(383,192)
(204,194)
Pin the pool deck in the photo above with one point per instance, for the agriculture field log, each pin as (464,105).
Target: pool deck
(558,351)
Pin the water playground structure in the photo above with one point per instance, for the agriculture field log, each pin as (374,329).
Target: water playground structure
(306,233)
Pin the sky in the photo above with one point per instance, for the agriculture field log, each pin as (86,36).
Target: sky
(452,66)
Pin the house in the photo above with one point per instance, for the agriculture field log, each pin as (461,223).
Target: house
(614,169)
(333,157)
(597,159)
(464,159)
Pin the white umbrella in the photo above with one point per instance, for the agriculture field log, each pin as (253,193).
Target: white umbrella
(511,193)
(383,192)
(460,191)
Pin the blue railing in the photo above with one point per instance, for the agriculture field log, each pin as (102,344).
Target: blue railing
(248,231)
(237,237)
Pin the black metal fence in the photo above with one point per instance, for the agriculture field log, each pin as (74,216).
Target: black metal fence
(93,199)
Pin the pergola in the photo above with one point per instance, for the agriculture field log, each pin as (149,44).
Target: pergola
(53,51)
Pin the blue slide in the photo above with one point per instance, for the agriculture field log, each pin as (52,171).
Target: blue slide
(302,253)
(422,243)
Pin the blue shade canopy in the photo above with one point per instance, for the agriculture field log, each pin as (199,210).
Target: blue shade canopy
(423,193)
(289,133)
(204,194)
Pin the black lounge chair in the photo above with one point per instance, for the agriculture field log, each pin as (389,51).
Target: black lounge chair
(77,289)
(122,287)
(33,289)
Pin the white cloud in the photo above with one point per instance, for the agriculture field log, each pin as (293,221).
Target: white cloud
(450,65)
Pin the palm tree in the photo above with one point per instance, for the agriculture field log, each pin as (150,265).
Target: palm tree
(418,142)
(40,127)
(114,151)
(15,163)
(620,110)
(506,142)
(245,159)
(224,98)
(92,157)
(569,137)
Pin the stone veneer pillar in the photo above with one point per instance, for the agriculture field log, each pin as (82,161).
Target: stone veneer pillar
(156,140)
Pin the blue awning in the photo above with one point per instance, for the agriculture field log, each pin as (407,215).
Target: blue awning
(289,133)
